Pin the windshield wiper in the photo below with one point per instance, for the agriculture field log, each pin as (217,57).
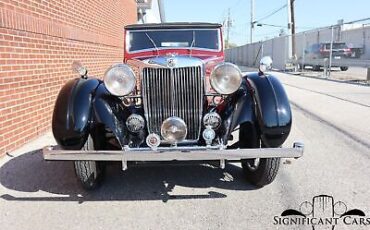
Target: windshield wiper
(153,43)
(192,44)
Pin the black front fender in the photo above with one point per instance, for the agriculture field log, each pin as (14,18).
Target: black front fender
(110,112)
(273,110)
(72,112)
(262,105)
(238,109)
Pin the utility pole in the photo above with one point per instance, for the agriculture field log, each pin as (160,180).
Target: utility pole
(289,29)
(228,25)
(293,27)
(252,21)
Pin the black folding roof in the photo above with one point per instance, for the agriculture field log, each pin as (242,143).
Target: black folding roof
(173,25)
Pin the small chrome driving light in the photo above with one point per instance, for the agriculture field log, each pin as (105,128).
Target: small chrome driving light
(135,123)
(212,120)
(120,80)
(174,130)
(208,135)
(226,78)
(153,141)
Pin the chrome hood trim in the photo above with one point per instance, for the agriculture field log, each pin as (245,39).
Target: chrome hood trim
(168,61)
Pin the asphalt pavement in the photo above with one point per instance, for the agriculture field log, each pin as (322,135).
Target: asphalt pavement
(331,118)
(353,74)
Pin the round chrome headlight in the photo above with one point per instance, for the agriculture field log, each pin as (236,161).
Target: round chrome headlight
(226,78)
(120,80)
(174,130)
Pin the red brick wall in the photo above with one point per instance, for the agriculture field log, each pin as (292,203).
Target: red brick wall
(39,40)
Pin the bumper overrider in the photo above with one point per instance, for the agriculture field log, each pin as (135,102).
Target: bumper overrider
(210,153)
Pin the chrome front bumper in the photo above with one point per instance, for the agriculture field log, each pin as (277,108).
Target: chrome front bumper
(172,154)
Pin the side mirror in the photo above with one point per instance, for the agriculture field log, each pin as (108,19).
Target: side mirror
(265,64)
(79,68)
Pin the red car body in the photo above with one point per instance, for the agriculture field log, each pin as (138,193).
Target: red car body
(209,57)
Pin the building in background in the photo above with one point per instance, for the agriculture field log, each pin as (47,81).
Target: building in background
(151,11)
(39,40)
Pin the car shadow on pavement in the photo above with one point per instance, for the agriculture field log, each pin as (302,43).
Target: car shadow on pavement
(30,173)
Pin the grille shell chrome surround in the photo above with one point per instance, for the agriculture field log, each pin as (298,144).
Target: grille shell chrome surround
(176,92)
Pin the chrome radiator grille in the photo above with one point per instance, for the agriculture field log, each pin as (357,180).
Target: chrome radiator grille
(173,92)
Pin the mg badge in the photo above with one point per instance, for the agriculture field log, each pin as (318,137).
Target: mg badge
(171,62)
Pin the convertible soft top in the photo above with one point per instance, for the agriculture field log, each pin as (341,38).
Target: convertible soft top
(173,25)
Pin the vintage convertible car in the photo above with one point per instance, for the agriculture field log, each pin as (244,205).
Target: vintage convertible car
(174,99)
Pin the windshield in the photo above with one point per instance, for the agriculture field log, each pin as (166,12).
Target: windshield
(189,38)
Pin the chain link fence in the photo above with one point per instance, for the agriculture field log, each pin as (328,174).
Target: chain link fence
(340,52)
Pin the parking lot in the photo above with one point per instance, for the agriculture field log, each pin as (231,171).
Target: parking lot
(34,192)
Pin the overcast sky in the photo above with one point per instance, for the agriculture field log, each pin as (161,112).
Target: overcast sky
(309,14)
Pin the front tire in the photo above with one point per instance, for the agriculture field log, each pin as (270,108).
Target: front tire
(343,68)
(262,174)
(89,173)
(259,171)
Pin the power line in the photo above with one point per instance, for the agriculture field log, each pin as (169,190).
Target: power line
(228,9)
(356,21)
(272,13)
(222,15)
(236,4)
(264,24)
(279,26)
